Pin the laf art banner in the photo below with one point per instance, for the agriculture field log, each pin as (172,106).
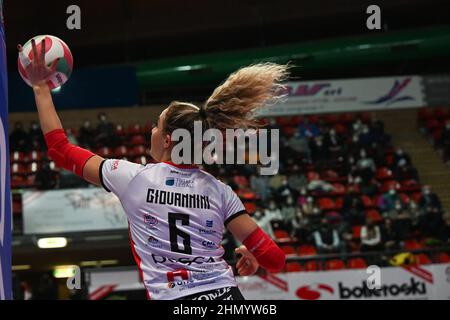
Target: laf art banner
(71,210)
(349,95)
(5,194)
(431,282)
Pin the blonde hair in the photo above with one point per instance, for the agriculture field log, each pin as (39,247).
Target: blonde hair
(232,105)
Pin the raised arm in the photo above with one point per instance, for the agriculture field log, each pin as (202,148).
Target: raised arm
(73,158)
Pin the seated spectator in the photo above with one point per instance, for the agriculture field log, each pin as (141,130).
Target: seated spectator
(390,236)
(297,180)
(37,137)
(86,135)
(320,186)
(289,212)
(285,191)
(300,227)
(19,139)
(327,239)
(300,144)
(105,135)
(389,201)
(430,223)
(352,208)
(273,212)
(370,237)
(260,184)
(429,201)
(263,220)
(308,130)
(45,178)
(365,166)
(444,233)
(319,151)
(334,143)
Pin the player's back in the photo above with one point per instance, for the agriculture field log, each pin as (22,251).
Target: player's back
(176,218)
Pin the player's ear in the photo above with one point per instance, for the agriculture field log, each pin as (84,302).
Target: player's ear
(167,141)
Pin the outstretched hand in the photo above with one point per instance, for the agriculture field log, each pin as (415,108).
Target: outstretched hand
(36,70)
(247,264)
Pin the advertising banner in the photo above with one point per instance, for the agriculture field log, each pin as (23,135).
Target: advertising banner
(71,210)
(351,95)
(396,283)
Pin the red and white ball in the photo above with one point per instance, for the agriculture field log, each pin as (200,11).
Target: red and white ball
(54,48)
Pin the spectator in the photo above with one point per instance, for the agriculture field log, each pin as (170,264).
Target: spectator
(319,151)
(429,201)
(296,179)
(260,184)
(86,135)
(19,139)
(390,236)
(444,232)
(370,237)
(263,220)
(45,178)
(334,143)
(273,212)
(105,132)
(308,130)
(327,239)
(353,208)
(285,191)
(389,201)
(37,137)
(288,212)
(300,144)
(365,166)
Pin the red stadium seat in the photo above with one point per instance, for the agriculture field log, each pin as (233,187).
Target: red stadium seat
(139,150)
(374,215)
(250,206)
(134,128)
(288,131)
(356,231)
(311,266)
(293,267)
(105,152)
(443,257)
(357,263)
(383,173)
(17,156)
(367,202)
(339,189)
(312,175)
(283,121)
(335,264)
(120,152)
(306,250)
(35,156)
(410,186)
(120,131)
(326,204)
(137,139)
(439,113)
(281,234)
(288,249)
(422,259)
(412,244)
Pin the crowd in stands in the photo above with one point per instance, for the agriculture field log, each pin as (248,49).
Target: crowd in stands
(435,123)
(342,187)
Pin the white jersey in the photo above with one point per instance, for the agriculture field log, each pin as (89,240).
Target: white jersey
(176,216)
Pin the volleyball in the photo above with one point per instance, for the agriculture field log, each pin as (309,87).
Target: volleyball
(54,48)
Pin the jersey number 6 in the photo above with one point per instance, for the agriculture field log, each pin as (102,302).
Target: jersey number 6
(175,233)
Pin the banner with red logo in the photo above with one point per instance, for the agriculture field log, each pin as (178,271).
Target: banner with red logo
(396,283)
(363,94)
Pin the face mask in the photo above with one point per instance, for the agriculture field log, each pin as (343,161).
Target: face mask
(392,192)
(289,201)
(272,206)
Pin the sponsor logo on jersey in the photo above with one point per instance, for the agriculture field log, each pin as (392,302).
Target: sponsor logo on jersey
(209,223)
(152,241)
(180,173)
(174,284)
(183,260)
(206,231)
(115,164)
(150,220)
(209,244)
(179,182)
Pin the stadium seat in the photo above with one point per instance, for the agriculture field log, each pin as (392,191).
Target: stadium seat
(120,152)
(138,150)
(443,257)
(412,244)
(312,175)
(134,128)
(137,139)
(383,173)
(306,250)
(367,202)
(18,156)
(334,264)
(326,204)
(288,249)
(311,266)
(105,152)
(422,259)
(356,231)
(35,156)
(120,131)
(281,234)
(357,263)
(293,267)
(374,215)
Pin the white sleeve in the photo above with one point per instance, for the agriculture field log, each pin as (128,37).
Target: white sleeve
(233,206)
(115,175)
